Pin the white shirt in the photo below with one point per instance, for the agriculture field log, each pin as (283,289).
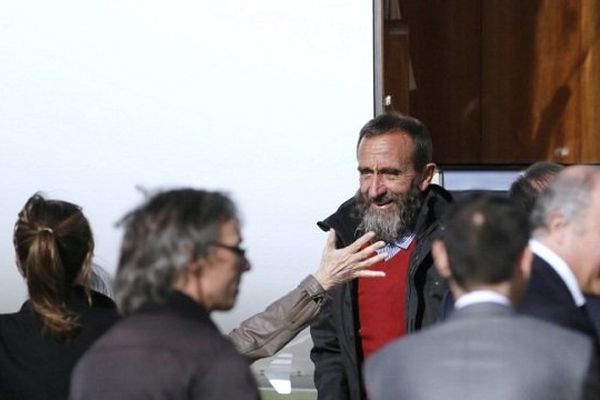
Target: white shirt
(481,296)
(561,267)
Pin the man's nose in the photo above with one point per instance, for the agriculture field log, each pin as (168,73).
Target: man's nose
(376,187)
(245,267)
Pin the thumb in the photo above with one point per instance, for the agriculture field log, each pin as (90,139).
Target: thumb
(331,239)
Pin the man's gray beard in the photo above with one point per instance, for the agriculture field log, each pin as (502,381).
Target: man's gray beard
(390,225)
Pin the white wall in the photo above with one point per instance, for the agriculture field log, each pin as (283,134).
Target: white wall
(262,98)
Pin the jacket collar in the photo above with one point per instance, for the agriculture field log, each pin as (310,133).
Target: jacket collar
(182,305)
(482,309)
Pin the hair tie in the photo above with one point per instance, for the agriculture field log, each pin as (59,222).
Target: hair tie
(46,229)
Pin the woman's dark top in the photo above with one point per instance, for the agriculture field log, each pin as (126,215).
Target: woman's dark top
(35,366)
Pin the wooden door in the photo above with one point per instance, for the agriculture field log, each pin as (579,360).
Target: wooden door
(507,82)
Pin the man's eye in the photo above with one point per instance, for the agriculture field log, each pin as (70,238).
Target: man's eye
(393,174)
(393,177)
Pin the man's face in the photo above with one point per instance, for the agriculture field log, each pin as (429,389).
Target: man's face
(585,240)
(389,194)
(223,271)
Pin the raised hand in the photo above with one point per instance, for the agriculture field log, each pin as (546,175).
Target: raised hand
(341,265)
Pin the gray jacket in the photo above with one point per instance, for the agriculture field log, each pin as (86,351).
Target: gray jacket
(485,351)
(265,333)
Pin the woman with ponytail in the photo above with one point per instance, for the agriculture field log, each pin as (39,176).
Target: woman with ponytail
(40,344)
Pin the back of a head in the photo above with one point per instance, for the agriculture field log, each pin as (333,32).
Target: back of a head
(396,122)
(527,187)
(484,237)
(161,238)
(100,281)
(54,246)
(569,194)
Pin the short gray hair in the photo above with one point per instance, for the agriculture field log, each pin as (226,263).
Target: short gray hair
(162,236)
(569,194)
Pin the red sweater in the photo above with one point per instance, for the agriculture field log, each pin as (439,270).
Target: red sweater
(381,302)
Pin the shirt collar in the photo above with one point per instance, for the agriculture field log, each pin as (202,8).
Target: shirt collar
(561,267)
(401,243)
(481,296)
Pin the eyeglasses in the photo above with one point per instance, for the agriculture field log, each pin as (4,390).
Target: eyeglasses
(237,250)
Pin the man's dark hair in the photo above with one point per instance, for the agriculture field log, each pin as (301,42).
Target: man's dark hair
(527,187)
(395,122)
(485,236)
(162,236)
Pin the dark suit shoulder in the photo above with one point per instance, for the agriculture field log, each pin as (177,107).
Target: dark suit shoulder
(545,287)
(547,297)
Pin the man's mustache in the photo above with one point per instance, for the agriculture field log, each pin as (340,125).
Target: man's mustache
(381,200)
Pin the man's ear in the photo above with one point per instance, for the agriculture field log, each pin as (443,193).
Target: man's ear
(440,259)
(524,266)
(557,226)
(426,176)
(191,271)
(195,267)
(190,281)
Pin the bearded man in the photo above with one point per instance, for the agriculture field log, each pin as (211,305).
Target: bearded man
(397,201)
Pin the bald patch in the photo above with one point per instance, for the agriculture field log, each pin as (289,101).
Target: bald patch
(478,219)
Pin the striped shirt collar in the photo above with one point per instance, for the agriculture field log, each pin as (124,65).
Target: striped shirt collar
(401,243)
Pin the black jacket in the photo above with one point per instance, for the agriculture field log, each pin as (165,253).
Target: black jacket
(38,367)
(547,297)
(337,348)
(164,351)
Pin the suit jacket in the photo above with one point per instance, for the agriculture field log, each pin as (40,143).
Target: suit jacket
(36,366)
(485,351)
(172,351)
(592,303)
(547,297)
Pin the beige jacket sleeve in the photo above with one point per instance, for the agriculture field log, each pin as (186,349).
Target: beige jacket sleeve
(265,333)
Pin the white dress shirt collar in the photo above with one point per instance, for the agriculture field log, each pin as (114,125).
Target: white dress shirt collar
(561,267)
(481,296)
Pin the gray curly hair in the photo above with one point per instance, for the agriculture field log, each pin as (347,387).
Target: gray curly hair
(162,236)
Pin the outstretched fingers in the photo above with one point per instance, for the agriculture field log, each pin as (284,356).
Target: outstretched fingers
(370,249)
(367,256)
(371,258)
(369,274)
(360,242)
